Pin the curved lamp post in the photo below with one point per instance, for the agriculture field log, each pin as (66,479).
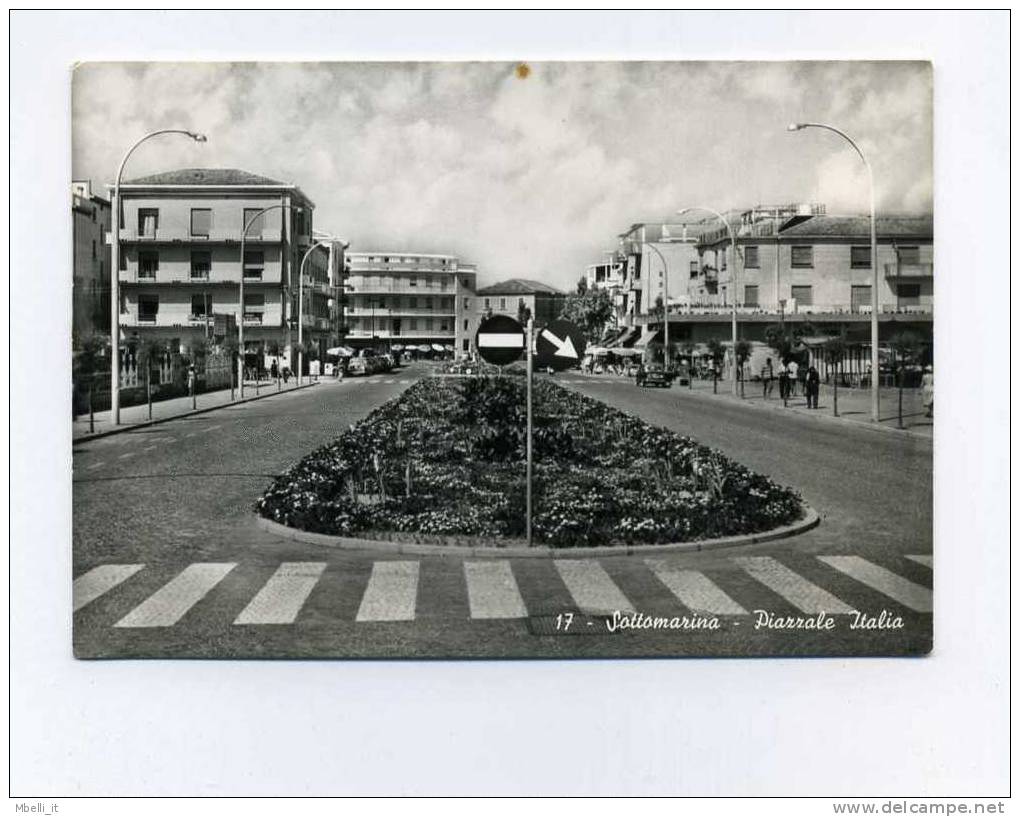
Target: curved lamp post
(665,307)
(733,300)
(301,296)
(796,126)
(115,271)
(240,324)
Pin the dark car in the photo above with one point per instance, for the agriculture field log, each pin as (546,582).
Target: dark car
(653,375)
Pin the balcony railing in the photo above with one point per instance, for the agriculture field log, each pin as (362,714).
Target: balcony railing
(723,310)
(900,270)
(131,234)
(399,287)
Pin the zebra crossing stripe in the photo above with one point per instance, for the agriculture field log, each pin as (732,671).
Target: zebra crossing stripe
(591,586)
(90,586)
(897,588)
(492,590)
(695,590)
(391,593)
(168,604)
(282,597)
(922,560)
(802,594)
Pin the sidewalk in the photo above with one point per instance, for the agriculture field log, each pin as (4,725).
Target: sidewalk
(138,416)
(854,404)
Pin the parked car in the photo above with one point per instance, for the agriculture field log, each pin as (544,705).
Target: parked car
(357,366)
(654,375)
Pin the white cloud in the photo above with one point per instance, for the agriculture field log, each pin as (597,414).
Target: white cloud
(527,177)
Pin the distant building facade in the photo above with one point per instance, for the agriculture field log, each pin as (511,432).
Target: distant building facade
(406,301)
(657,262)
(181,262)
(90,299)
(514,295)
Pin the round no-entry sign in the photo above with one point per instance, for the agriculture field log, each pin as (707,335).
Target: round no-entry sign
(500,340)
(559,346)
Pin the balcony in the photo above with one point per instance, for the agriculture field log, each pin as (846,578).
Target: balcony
(253,319)
(400,287)
(900,270)
(163,236)
(773,312)
(419,312)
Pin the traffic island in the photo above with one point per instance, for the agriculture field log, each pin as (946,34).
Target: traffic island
(445,461)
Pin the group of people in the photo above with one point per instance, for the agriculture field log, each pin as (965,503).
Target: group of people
(790,376)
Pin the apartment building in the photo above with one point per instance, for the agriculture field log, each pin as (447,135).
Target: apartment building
(90,298)
(181,264)
(657,261)
(513,296)
(414,303)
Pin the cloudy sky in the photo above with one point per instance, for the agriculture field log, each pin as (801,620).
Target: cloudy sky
(527,176)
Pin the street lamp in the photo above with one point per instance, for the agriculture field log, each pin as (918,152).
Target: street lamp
(665,308)
(115,272)
(301,296)
(733,279)
(796,126)
(240,324)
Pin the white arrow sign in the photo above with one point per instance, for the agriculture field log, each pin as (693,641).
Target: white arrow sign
(564,348)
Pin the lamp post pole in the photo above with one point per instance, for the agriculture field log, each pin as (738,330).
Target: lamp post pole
(796,126)
(733,279)
(115,271)
(240,290)
(665,308)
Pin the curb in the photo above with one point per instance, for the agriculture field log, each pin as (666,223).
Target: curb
(811,519)
(121,429)
(821,416)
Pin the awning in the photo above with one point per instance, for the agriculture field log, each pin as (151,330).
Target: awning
(624,352)
(398,347)
(438,347)
(340,351)
(627,338)
(424,348)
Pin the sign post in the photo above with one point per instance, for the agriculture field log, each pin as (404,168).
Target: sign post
(499,340)
(529,341)
(560,345)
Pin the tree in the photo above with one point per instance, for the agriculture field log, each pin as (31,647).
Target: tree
(148,352)
(590,310)
(742,353)
(582,285)
(718,353)
(523,313)
(907,348)
(779,340)
(834,351)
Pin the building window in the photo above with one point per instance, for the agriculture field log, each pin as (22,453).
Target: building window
(909,255)
(93,250)
(148,222)
(487,304)
(751,257)
(412,281)
(802,256)
(254,264)
(466,345)
(908,294)
(465,325)
(860,258)
(254,306)
(255,221)
(201,222)
(198,303)
(444,325)
(148,266)
(412,302)
(201,264)
(467,304)
(148,308)
(859,296)
(694,269)
(502,303)
(801,294)
(722,259)
(428,302)
(413,324)
(751,295)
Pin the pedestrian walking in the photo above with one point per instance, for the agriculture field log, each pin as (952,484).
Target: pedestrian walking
(286,373)
(784,382)
(274,370)
(791,374)
(812,383)
(928,391)
(768,374)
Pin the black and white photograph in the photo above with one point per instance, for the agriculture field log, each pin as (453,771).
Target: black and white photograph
(509,404)
(502,360)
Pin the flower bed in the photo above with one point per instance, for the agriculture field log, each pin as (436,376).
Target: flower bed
(447,458)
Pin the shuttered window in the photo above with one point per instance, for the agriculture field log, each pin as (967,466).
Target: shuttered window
(201,222)
(802,295)
(751,257)
(802,256)
(860,257)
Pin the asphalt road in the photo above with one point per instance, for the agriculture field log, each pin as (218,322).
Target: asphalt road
(168,560)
